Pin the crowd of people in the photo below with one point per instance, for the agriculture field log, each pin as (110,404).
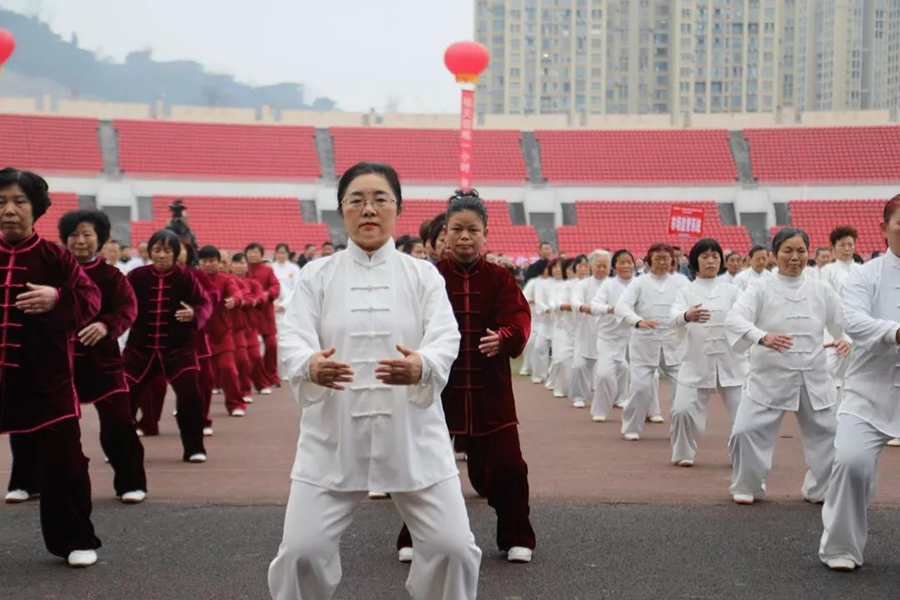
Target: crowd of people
(399,352)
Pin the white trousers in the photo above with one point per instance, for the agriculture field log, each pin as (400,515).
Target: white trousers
(582,378)
(643,399)
(528,353)
(752,445)
(561,366)
(610,383)
(689,417)
(308,565)
(540,358)
(854,479)
(837,365)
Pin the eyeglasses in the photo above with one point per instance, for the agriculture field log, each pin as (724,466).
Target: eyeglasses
(355,204)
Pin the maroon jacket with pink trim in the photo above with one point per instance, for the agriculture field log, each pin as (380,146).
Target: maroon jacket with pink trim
(264,274)
(220,327)
(156,331)
(478,398)
(36,381)
(98,369)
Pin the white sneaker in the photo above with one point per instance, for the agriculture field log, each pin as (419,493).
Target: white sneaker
(841,564)
(81,559)
(656,419)
(248,399)
(266,391)
(460,456)
(519,554)
(524,373)
(377,495)
(197,458)
(17,496)
(238,412)
(578,403)
(619,405)
(632,437)
(743,498)
(685,463)
(536,380)
(598,419)
(139,432)
(405,555)
(175,413)
(106,459)
(558,395)
(894,443)
(217,391)
(135,497)
(207,431)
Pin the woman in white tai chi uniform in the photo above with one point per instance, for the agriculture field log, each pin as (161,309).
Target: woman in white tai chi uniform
(553,293)
(759,258)
(782,321)
(870,414)
(843,247)
(645,306)
(528,354)
(585,356)
(613,335)
(543,301)
(368,347)
(288,273)
(708,363)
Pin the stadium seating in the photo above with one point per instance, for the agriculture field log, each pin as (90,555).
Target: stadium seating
(826,154)
(641,157)
(638,225)
(231,223)
(50,144)
(504,237)
(262,152)
(431,154)
(60,204)
(819,217)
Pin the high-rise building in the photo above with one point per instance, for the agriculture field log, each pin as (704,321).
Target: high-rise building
(675,56)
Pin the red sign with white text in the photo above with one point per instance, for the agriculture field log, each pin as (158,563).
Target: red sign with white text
(467,116)
(686,221)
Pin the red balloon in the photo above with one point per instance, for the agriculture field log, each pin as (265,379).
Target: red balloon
(7,45)
(467,60)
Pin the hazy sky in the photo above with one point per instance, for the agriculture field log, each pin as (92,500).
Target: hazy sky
(358,52)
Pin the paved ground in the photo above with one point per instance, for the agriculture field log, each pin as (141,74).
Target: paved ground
(614,520)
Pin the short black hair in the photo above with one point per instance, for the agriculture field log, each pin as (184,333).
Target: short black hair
(733,253)
(424,228)
(756,249)
(308,246)
(581,258)
(787,233)
(239,257)
(842,231)
(209,251)
(619,254)
(467,200)
(256,246)
(705,245)
(821,249)
(168,238)
(562,265)
(98,219)
(545,243)
(436,227)
(327,243)
(370,168)
(33,186)
(409,244)
(283,245)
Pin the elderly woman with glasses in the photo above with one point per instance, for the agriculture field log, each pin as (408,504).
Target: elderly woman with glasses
(368,349)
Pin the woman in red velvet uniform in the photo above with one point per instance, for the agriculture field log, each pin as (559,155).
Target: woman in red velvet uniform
(172,307)
(238,322)
(271,288)
(220,328)
(47,299)
(495,320)
(253,311)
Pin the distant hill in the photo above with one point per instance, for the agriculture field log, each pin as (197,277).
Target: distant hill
(45,63)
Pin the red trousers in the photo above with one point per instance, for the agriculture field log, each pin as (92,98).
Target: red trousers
(224,374)
(498,472)
(188,403)
(258,373)
(270,360)
(245,381)
(64,484)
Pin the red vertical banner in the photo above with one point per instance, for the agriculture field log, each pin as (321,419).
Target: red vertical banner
(467,116)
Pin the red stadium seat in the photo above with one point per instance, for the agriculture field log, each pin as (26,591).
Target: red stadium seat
(229,223)
(60,204)
(639,157)
(638,225)
(50,144)
(431,154)
(825,154)
(819,217)
(220,151)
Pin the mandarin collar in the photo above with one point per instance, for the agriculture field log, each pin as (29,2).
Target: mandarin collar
(378,257)
(892,258)
(469,269)
(90,264)
(22,244)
